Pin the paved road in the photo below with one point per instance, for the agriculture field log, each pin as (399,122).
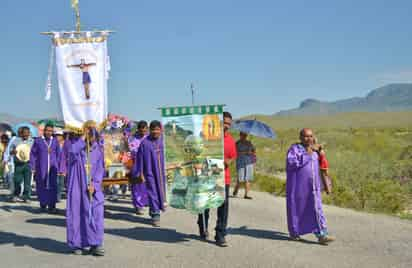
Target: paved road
(257,239)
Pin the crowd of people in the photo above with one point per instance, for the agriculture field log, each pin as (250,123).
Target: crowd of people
(58,161)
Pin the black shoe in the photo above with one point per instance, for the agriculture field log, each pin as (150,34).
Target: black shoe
(221,242)
(204,235)
(248,197)
(52,211)
(26,200)
(43,209)
(97,251)
(295,238)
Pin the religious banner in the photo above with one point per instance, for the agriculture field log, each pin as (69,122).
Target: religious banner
(82,72)
(194,156)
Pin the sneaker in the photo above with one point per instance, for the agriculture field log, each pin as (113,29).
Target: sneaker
(14,199)
(155,223)
(248,197)
(326,239)
(97,251)
(139,211)
(77,252)
(26,200)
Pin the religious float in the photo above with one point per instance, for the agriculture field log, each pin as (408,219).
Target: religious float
(117,137)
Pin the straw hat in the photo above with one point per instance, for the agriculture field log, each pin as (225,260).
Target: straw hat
(23,152)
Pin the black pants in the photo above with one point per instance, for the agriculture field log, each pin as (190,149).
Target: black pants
(222,216)
(60,187)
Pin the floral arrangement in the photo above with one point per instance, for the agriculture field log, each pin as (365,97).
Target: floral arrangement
(116,122)
(126,159)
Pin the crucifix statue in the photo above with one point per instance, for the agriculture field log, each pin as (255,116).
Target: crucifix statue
(84,67)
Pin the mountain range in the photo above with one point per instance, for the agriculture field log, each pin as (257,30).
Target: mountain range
(389,98)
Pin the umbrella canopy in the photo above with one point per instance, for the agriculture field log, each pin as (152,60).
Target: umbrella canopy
(5,127)
(33,129)
(56,123)
(255,128)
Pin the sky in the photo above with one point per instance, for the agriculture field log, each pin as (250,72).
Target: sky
(258,56)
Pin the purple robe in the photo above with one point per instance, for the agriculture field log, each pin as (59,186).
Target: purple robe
(151,158)
(45,167)
(303,193)
(139,191)
(84,227)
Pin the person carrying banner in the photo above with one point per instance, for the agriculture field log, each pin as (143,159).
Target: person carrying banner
(230,155)
(85,200)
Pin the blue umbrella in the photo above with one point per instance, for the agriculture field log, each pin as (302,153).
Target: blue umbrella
(33,129)
(255,128)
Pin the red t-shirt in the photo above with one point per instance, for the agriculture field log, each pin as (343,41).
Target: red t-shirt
(323,162)
(230,153)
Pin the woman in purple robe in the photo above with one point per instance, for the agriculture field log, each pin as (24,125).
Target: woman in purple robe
(85,200)
(303,191)
(152,170)
(139,191)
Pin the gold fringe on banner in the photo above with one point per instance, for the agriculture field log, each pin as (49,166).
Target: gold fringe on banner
(87,124)
(63,41)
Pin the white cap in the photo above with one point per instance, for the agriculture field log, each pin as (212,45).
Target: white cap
(59,132)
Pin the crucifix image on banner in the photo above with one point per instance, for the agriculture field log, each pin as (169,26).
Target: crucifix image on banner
(86,80)
(82,71)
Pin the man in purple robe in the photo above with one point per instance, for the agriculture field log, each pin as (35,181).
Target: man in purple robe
(85,200)
(303,191)
(139,191)
(152,170)
(44,157)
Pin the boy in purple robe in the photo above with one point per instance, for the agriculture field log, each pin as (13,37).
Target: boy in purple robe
(139,191)
(152,170)
(85,200)
(303,191)
(44,157)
